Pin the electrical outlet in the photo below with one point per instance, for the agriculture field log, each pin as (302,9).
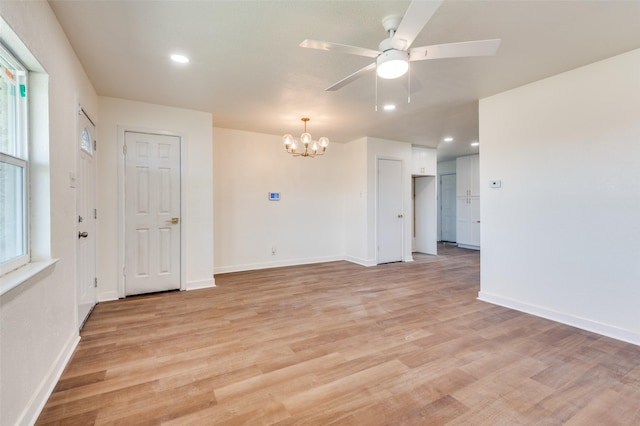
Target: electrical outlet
(273,250)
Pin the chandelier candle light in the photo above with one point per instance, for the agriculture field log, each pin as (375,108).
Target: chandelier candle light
(311,147)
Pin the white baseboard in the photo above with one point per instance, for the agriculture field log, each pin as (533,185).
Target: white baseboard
(107,296)
(363,262)
(275,264)
(408,259)
(582,323)
(200,284)
(39,399)
(465,246)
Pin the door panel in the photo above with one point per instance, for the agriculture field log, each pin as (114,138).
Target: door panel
(152,213)
(85,219)
(448,207)
(425,211)
(390,220)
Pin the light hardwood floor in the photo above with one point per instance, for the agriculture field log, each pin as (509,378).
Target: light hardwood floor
(337,343)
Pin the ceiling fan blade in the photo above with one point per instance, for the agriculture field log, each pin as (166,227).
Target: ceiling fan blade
(455,50)
(414,20)
(335,47)
(356,75)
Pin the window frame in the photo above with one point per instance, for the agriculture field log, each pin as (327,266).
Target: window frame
(20,156)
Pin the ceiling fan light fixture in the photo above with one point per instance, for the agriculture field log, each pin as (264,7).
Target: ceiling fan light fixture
(392,64)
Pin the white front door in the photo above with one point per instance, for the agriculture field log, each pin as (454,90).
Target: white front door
(86,280)
(448,207)
(152,213)
(390,212)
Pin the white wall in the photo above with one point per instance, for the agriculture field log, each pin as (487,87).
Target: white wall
(305,226)
(561,237)
(447,167)
(195,127)
(358,247)
(38,319)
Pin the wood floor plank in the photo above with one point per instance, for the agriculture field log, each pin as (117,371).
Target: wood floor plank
(340,344)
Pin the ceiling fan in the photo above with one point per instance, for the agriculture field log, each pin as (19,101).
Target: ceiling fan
(394,53)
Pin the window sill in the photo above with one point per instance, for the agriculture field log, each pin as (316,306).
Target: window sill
(14,278)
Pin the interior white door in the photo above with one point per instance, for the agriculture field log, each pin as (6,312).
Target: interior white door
(86,280)
(390,216)
(448,207)
(426,239)
(152,213)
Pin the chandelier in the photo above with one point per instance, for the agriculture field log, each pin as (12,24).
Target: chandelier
(311,147)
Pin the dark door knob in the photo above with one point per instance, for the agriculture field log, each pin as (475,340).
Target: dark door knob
(82,234)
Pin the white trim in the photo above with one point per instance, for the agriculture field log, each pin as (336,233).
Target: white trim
(278,264)
(200,284)
(582,323)
(108,296)
(33,409)
(361,262)
(24,273)
(121,208)
(465,246)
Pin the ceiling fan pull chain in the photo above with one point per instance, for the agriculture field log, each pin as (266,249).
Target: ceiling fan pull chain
(409,85)
(376,107)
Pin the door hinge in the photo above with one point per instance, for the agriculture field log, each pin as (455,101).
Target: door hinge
(95,145)
(95,282)
(124,149)
(95,213)
(124,271)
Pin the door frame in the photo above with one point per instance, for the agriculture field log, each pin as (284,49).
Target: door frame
(404,257)
(121,202)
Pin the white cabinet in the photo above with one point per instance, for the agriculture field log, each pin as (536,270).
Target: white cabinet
(423,161)
(468,176)
(468,222)
(468,202)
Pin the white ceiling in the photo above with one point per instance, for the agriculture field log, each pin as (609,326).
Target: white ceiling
(248,71)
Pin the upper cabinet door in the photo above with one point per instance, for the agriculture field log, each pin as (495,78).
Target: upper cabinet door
(468,176)
(423,161)
(474,175)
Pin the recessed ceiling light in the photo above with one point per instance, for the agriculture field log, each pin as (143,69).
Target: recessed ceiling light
(448,139)
(389,107)
(181,59)
(475,143)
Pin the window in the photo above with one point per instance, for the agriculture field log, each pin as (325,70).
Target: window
(14,182)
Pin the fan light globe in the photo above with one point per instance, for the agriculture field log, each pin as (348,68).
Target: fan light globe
(392,64)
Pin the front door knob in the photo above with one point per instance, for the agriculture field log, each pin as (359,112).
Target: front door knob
(83,234)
